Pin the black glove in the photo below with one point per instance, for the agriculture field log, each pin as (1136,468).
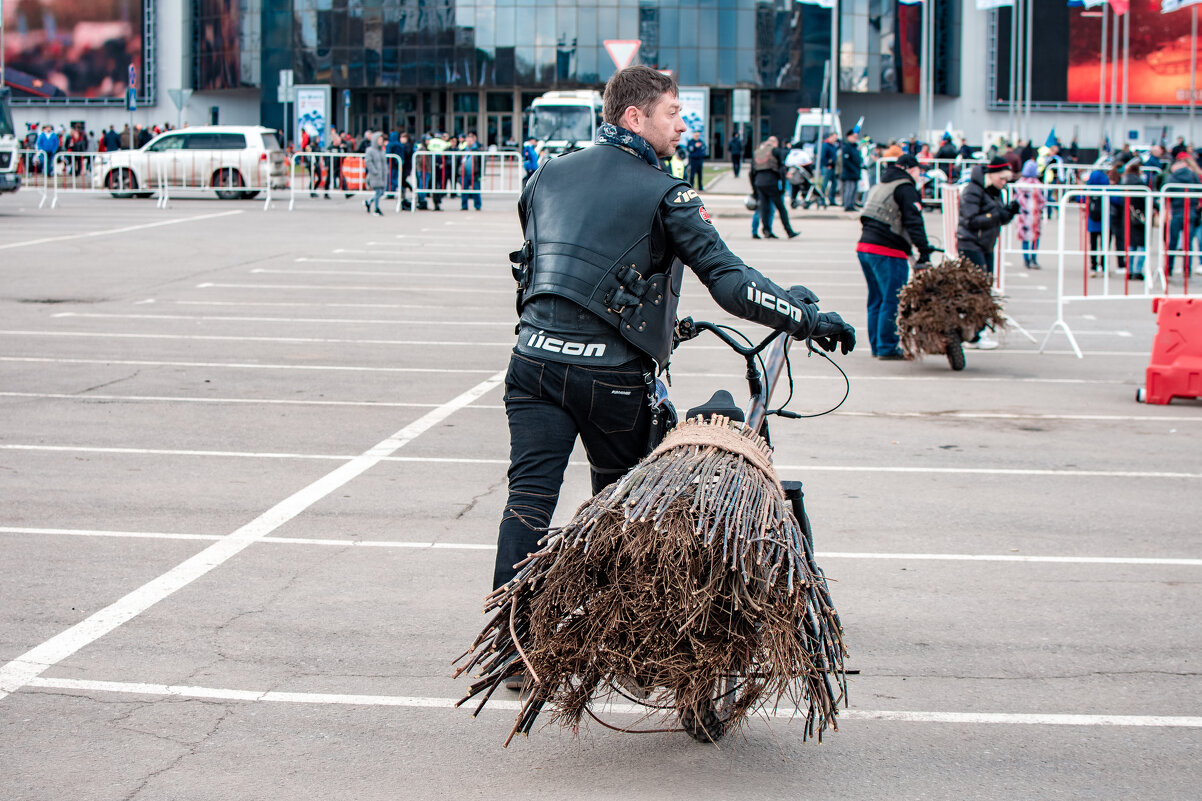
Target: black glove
(799,295)
(1012,207)
(830,331)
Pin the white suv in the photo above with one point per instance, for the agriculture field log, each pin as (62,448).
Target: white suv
(236,161)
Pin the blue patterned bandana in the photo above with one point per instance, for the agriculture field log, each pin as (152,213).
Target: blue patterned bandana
(610,134)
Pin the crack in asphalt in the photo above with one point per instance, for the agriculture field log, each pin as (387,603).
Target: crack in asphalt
(472,503)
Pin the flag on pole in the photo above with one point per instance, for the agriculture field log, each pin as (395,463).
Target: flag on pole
(1169,6)
(859,122)
(1051,140)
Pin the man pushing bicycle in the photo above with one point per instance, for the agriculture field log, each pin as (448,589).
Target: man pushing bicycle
(607,233)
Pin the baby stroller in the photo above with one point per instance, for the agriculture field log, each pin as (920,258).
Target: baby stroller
(804,188)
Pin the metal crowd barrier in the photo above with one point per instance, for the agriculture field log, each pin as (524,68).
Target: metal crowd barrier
(180,172)
(1097,262)
(34,167)
(1071,173)
(949,200)
(327,172)
(73,172)
(441,173)
(1179,236)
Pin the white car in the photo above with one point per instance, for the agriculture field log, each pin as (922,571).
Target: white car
(236,161)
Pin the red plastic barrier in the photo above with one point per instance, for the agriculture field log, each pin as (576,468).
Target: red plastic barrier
(1176,367)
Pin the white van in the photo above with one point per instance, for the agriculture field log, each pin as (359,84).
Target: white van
(236,161)
(563,121)
(809,122)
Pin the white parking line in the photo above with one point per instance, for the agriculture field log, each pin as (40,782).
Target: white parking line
(808,468)
(507,705)
(311,305)
(250,401)
(176,452)
(423,260)
(423,268)
(1083,418)
(425,343)
(242,319)
(122,230)
(507,342)
(34,662)
(471,546)
(355,288)
(953,379)
(241,366)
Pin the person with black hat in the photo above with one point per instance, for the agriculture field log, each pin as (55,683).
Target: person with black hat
(982,215)
(891,227)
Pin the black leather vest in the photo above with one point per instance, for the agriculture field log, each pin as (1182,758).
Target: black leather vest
(589,225)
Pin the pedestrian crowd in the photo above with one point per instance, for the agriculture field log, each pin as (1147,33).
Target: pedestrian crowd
(50,141)
(432,168)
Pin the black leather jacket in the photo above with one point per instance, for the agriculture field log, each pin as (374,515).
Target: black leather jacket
(607,234)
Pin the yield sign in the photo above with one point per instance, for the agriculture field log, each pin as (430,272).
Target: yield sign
(622,51)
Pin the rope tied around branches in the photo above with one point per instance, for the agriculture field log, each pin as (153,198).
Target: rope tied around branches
(720,434)
(689,568)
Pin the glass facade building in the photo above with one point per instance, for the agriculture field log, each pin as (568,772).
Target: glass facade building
(460,65)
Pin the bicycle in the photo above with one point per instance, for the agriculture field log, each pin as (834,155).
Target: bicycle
(685,648)
(709,723)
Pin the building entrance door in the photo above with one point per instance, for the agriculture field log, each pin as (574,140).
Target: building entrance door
(404,115)
(379,116)
(717,143)
(500,129)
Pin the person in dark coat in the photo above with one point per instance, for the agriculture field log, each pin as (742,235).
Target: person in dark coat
(1130,220)
(697,152)
(767,173)
(1094,223)
(828,158)
(853,166)
(394,148)
(947,151)
(982,213)
(1184,217)
(736,153)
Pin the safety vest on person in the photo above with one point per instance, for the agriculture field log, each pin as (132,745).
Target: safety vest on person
(765,158)
(880,205)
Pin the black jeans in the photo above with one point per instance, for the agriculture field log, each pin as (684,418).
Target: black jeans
(548,405)
(771,196)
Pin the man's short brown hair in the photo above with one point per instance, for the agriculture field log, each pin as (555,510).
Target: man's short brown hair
(636,86)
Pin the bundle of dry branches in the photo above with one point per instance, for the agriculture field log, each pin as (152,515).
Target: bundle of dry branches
(951,298)
(690,568)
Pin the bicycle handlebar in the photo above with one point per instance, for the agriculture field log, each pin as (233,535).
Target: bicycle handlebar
(688,328)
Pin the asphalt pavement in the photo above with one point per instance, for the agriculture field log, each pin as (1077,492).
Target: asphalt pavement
(252,464)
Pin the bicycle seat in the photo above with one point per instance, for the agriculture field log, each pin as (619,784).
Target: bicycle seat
(720,403)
